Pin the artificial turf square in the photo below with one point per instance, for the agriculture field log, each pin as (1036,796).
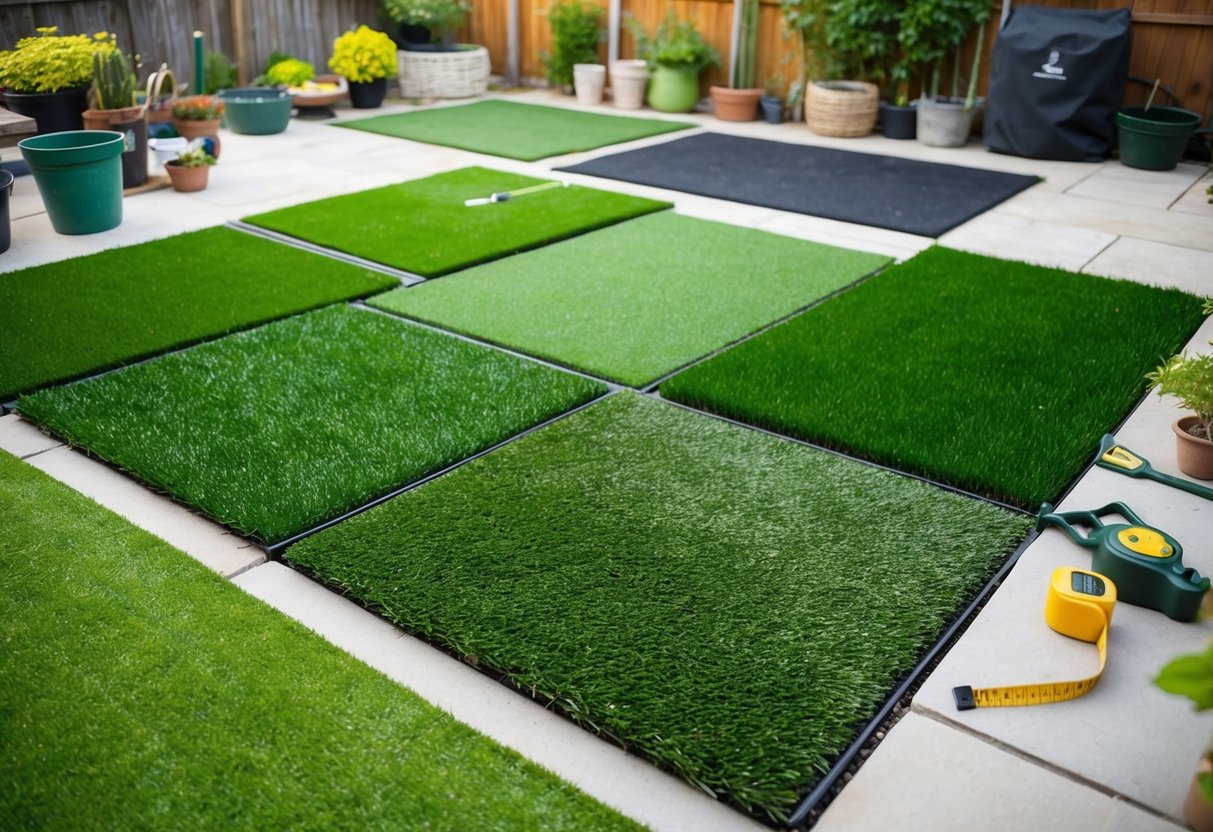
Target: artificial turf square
(637,300)
(67,319)
(731,604)
(423,226)
(516,131)
(142,691)
(275,430)
(989,375)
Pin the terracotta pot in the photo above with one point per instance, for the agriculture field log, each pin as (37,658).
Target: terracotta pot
(1193,454)
(194,129)
(131,122)
(735,105)
(187,179)
(1198,812)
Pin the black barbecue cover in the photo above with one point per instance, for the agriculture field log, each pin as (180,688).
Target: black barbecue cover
(1056,79)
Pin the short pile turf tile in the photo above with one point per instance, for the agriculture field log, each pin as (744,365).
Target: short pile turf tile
(424,227)
(730,604)
(638,300)
(275,430)
(141,691)
(516,131)
(993,376)
(925,198)
(64,320)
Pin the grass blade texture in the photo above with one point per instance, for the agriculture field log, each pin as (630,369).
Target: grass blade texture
(993,376)
(66,319)
(638,300)
(731,604)
(142,691)
(513,130)
(423,226)
(275,430)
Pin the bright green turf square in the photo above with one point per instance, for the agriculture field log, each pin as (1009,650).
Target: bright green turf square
(423,226)
(142,691)
(78,316)
(993,376)
(278,429)
(513,130)
(731,604)
(638,300)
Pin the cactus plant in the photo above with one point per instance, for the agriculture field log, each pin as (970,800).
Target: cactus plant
(747,45)
(113,80)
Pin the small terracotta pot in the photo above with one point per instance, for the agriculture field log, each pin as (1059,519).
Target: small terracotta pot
(187,179)
(735,105)
(1198,812)
(194,129)
(1193,454)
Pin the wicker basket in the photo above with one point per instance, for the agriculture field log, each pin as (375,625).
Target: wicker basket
(460,74)
(841,108)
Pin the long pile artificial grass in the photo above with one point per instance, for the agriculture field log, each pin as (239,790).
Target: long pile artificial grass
(993,376)
(730,604)
(77,316)
(637,300)
(424,227)
(513,130)
(142,691)
(275,430)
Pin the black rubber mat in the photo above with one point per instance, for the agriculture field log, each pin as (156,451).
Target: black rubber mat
(922,198)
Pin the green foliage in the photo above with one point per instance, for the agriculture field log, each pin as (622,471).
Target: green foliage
(196,158)
(219,73)
(845,39)
(931,30)
(442,17)
(49,62)
(1190,676)
(747,47)
(577,29)
(675,43)
(1188,378)
(113,80)
(290,72)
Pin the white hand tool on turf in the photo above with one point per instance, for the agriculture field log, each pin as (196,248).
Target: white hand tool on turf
(503,196)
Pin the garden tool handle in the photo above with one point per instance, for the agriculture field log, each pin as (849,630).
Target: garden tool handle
(1064,519)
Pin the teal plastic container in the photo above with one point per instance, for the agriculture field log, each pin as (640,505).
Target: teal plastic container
(256,111)
(79,174)
(1154,139)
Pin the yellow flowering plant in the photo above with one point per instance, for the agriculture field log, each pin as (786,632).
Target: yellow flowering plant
(50,62)
(363,55)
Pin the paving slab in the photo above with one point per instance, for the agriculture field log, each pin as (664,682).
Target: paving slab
(1159,264)
(1196,200)
(929,776)
(1015,237)
(208,543)
(1155,188)
(896,244)
(21,439)
(606,772)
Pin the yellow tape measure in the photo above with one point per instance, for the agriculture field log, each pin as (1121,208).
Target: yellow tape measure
(1079,605)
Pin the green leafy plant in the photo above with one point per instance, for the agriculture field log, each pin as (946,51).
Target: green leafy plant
(1192,676)
(289,72)
(363,55)
(849,39)
(675,43)
(50,62)
(195,158)
(1189,378)
(742,77)
(113,80)
(442,17)
(219,73)
(931,30)
(198,108)
(577,29)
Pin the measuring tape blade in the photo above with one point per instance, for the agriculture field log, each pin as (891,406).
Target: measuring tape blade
(1079,605)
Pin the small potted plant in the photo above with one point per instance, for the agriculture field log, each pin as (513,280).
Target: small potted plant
(930,32)
(189,171)
(313,94)
(1189,378)
(365,58)
(1192,676)
(739,100)
(577,30)
(47,76)
(113,108)
(677,53)
(772,100)
(427,25)
(197,116)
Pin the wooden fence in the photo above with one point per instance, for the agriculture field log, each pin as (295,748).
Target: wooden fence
(1171,40)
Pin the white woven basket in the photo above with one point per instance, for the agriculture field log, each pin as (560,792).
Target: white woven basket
(460,74)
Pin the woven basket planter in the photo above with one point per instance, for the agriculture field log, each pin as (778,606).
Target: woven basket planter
(841,108)
(460,74)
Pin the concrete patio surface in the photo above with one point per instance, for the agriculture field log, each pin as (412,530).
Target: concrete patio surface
(1119,758)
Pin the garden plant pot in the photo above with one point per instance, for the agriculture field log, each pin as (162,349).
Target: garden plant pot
(898,122)
(131,122)
(79,174)
(772,109)
(674,90)
(735,105)
(54,111)
(256,111)
(628,82)
(1198,811)
(367,95)
(1154,139)
(588,82)
(1193,454)
(944,122)
(188,179)
(197,129)
(841,108)
(6,190)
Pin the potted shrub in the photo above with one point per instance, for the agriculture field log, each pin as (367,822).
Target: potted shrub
(190,170)
(1189,378)
(113,108)
(930,31)
(47,76)
(197,116)
(427,25)
(677,53)
(739,100)
(219,73)
(366,59)
(577,30)
(1192,676)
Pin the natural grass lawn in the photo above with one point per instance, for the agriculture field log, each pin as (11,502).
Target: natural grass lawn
(730,604)
(142,691)
(638,300)
(423,226)
(514,130)
(993,376)
(274,430)
(77,316)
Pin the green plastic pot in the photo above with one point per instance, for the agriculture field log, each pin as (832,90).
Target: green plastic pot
(256,111)
(1154,139)
(674,90)
(79,174)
